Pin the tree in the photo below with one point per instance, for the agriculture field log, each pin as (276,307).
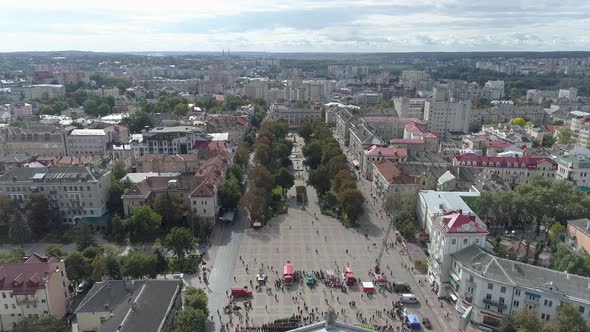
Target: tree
(18,230)
(84,236)
(319,179)
(255,202)
(569,319)
(260,177)
(119,170)
(565,136)
(262,153)
(40,324)
(38,213)
(507,324)
(229,194)
(12,255)
(77,266)
(527,321)
(396,203)
(305,130)
(236,172)
(352,202)
(54,250)
(196,298)
(284,179)
(242,154)
(180,109)
(90,107)
(180,241)
(116,229)
(7,207)
(171,209)
(103,109)
(555,232)
(138,121)
(143,223)
(191,320)
(313,154)
(137,265)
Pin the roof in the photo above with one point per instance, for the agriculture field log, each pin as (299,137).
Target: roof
(386,152)
(27,277)
(392,174)
(406,141)
(135,305)
(88,132)
(515,273)
(441,201)
(581,225)
(391,119)
(177,129)
(213,145)
(54,174)
(174,157)
(526,161)
(138,177)
(459,222)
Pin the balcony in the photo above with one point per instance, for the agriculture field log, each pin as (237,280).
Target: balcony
(495,303)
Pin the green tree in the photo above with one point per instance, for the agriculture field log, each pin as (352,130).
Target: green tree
(507,324)
(242,154)
(119,170)
(284,179)
(319,179)
(180,241)
(569,319)
(18,230)
(103,109)
(90,107)
(143,223)
(92,252)
(313,154)
(40,324)
(138,121)
(555,232)
(517,121)
(352,202)
(236,172)
(180,109)
(137,265)
(565,136)
(229,194)
(38,213)
(54,250)
(196,298)
(305,130)
(191,320)
(12,255)
(84,236)
(77,266)
(116,229)
(171,209)
(527,321)
(7,207)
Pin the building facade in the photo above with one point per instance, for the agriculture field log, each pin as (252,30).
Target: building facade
(167,140)
(294,116)
(447,116)
(36,287)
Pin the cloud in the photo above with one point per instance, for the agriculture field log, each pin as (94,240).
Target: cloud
(285,25)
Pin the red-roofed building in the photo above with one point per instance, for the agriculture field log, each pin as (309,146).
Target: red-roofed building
(375,154)
(417,130)
(36,287)
(513,170)
(388,177)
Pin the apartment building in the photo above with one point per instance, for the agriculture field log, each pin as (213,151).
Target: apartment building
(575,169)
(409,107)
(161,163)
(570,94)
(375,154)
(390,178)
(367,98)
(342,127)
(77,192)
(361,137)
(578,234)
(95,142)
(294,115)
(167,140)
(580,127)
(129,306)
(43,91)
(497,287)
(512,170)
(447,116)
(36,287)
(34,140)
(503,113)
(452,226)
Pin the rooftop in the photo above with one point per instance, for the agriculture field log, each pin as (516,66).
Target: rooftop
(135,305)
(582,225)
(53,174)
(515,273)
(27,277)
(88,132)
(387,152)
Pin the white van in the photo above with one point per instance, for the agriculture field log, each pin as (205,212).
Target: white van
(408,298)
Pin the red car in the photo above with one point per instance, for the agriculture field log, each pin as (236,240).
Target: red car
(241,292)
(426,323)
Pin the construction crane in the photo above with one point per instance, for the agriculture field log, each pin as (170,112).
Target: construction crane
(383,246)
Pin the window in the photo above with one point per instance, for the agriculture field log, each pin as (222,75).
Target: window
(13,306)
(477,241)
(516,303)
(43,301)
(517,292)
(550,304)
(204,210)
(542,316)
(500,310)
(488,296)
(454,241)
(501,300)
(503,290)
(45,312)
(3,295)
(6,306)
(581,309)
(465,241)
(548,317)
(490,285)
(471,278)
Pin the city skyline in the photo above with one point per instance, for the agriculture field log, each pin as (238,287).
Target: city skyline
(287,26)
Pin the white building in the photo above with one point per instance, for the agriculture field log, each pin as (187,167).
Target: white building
(293,115)
(167,140)
(496,287)
(575,169)
(570,94)
(447,116)
(44,91)
(409,107)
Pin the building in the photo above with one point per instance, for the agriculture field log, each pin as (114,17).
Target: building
(493,90)
(294,116)
(367,98)
(95,142)
(497,287)
(512,170)
(129,306)
(77,192)
(578,234)
(198,192)
(161,163)
(168,140)
(341,132)
(361,137)
(575,169)
(389,127)
(377,154)
(447,116)
(504,112)
(39,140)
(570,94)
(36,287)
(409,107)
(538,96)
(452,226)
(44,91)
(389,178)
(580,127)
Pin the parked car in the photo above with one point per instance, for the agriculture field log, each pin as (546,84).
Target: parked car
(409,298)
(426,323)
(82,287)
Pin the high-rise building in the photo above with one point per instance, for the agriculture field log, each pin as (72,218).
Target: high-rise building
(447,116)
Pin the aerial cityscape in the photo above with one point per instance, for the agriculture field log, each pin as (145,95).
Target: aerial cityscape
(325,166)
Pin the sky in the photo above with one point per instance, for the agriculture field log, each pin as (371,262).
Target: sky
(295,26)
